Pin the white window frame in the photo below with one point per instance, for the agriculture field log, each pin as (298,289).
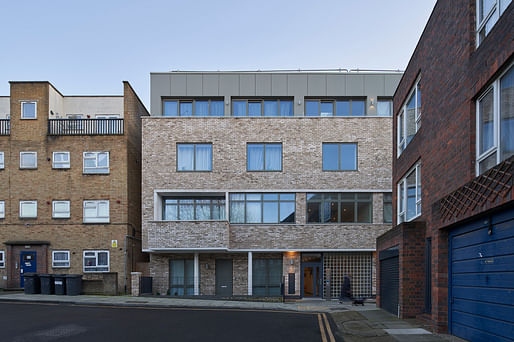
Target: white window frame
(402,142)
(2,260)
(61,266)
(402,215)
(21,208)
(60,214)
(496,148)
(87,269)
(21,159)
(2,209)
(35,110)
(2,160)
(60,165)
(96,169)
(481,24)
(97,218)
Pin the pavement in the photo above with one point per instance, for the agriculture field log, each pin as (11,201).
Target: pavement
(351,323)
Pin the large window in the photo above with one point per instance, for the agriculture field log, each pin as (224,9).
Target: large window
(61,160)
(2,165)
(28,209)
(339,207)
(384,107)
(96,261)
(181,277)
(60,259)
(262,107)
(266,277)
(28,110)
(409,119)
(329,107)
(60,209)
(96,162)
(264,157)
(409,195)
(339,156)
(262,208)
(197,208)
(194,107)
(194,157)
(488,13)
(495,123)
(96,211)
(388,207)
(28,160)
(2,209)
(2,259)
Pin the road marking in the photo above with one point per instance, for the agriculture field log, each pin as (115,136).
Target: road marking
(332,339)
(323,335)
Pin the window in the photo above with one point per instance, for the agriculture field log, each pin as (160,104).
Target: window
(109,124)
(197,208)
(28,160)
(96,162)
(409,195)
(263,157)
(266,277)
(60,209)
(2,164)
(329,107)
(339,156)
(28,110)
(96,211)
(488,13)
(181,277)
(194,157)
(61,259)
(2,259)
(495,123)
(339,208)
(194,107)
(61,160)
(28,209)
(2,209)
(262,107)
(409,118)
(388,207)
(96,261)
(262,208)
(384,107)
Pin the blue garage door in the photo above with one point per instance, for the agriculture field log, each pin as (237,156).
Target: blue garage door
(481,286)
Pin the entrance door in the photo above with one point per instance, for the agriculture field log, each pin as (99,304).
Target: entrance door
(224,277)
(28,264)
(312,284)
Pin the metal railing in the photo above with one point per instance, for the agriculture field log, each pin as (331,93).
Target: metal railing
(5,127)
(85,127)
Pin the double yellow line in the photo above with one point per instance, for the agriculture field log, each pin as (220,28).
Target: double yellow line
(323,323)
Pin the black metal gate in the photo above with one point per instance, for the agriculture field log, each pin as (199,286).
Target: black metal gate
(389,280)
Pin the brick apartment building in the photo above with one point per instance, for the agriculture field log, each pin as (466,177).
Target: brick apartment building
(70,175)
(450,257)
(250,178)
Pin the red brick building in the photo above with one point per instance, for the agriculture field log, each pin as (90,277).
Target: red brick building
(450,256)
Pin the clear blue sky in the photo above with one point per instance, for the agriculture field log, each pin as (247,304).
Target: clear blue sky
(89,47)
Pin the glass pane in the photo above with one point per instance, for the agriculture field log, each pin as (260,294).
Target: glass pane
(311,108)
(270,197)
(492,20)
(170,212)
(253,212)
(273,157)
(89,261)
(384,108)
(186,211)
(234,197)
(29,110)
(177,272)
(255,156)
(60,256)
(270,212)
(203,157)
(286,108)
(348,196)
(290,197)
(364,212)
(61,206)
(218,210)
(217,108)
(485,8)
(411,195)
(348,156)
(327,109)
(330,156)
(486,122)
(330,211)
(347,212)
(270,108)
(507,115)
(487,163)
(186,108)
(411,120)
(185,157)
(103,209)
(103,258)
(254,108)
(358,108)
(314,197)
(364,196)
(170,108)
(253,197)
(237,212)
(28,209)
(313,212)
(418,99)
(103,159)
(402,197)
(28,160)
(239,108)
(90,212)
(388,212)
(202,108)
(400,127)
(287,212)
(343,108)
(203,210)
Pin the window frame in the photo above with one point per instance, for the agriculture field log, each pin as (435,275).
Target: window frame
(54,202)
(193,102)
(22,117)
(401,141)
(2,211)
(194,157)
(339,159)
(264,157)
(87,269)
(212,204)
(2,260)
(93,170)
(261,201)
(24,202)
(388,202)
(2,160)
(481,24)
(339,202)
(54,261)
(65,166)
(97,218)
(261,101)
(402,208)
(334,101)
(27,153)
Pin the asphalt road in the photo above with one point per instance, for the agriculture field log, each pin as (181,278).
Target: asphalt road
(24,322)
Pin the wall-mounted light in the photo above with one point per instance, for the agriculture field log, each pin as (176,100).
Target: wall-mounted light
(291,261)
(299,102)
(371,101)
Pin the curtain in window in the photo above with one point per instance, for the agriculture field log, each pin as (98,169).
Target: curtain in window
(270,108)
(217,108)
(507,115)
(186,108)
(202,108)
(255,157)
(239,108)
(254,108)
(185,157)
(203,157)
(274,157)
(286,108)
(486,122)
(384,108)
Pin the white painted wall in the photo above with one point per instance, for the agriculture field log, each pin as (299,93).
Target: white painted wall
(55,104)
(93,105)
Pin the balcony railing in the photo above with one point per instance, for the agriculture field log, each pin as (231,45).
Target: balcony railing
(85,127)
(5,127)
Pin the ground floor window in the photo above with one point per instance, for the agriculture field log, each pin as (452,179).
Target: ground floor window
(96,261)
(181,277)
(267,277)
(2,259)
(358,266)
(60,259)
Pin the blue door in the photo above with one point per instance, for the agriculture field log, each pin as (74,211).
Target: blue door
(481,283)
(28,263)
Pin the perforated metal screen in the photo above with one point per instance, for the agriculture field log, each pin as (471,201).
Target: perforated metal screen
(357,265)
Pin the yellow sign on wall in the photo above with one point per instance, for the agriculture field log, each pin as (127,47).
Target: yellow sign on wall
(114,243)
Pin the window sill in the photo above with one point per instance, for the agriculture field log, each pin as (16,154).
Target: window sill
(98,222)
(61,266)
(95,173)
(356,170)
(182,221)
(28,168)
(61,218)
(28,118)
(193,171)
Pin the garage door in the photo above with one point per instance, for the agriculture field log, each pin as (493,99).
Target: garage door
(481,286)
(389,280)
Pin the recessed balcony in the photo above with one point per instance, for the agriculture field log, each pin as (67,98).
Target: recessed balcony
(5,127)
(85,127)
